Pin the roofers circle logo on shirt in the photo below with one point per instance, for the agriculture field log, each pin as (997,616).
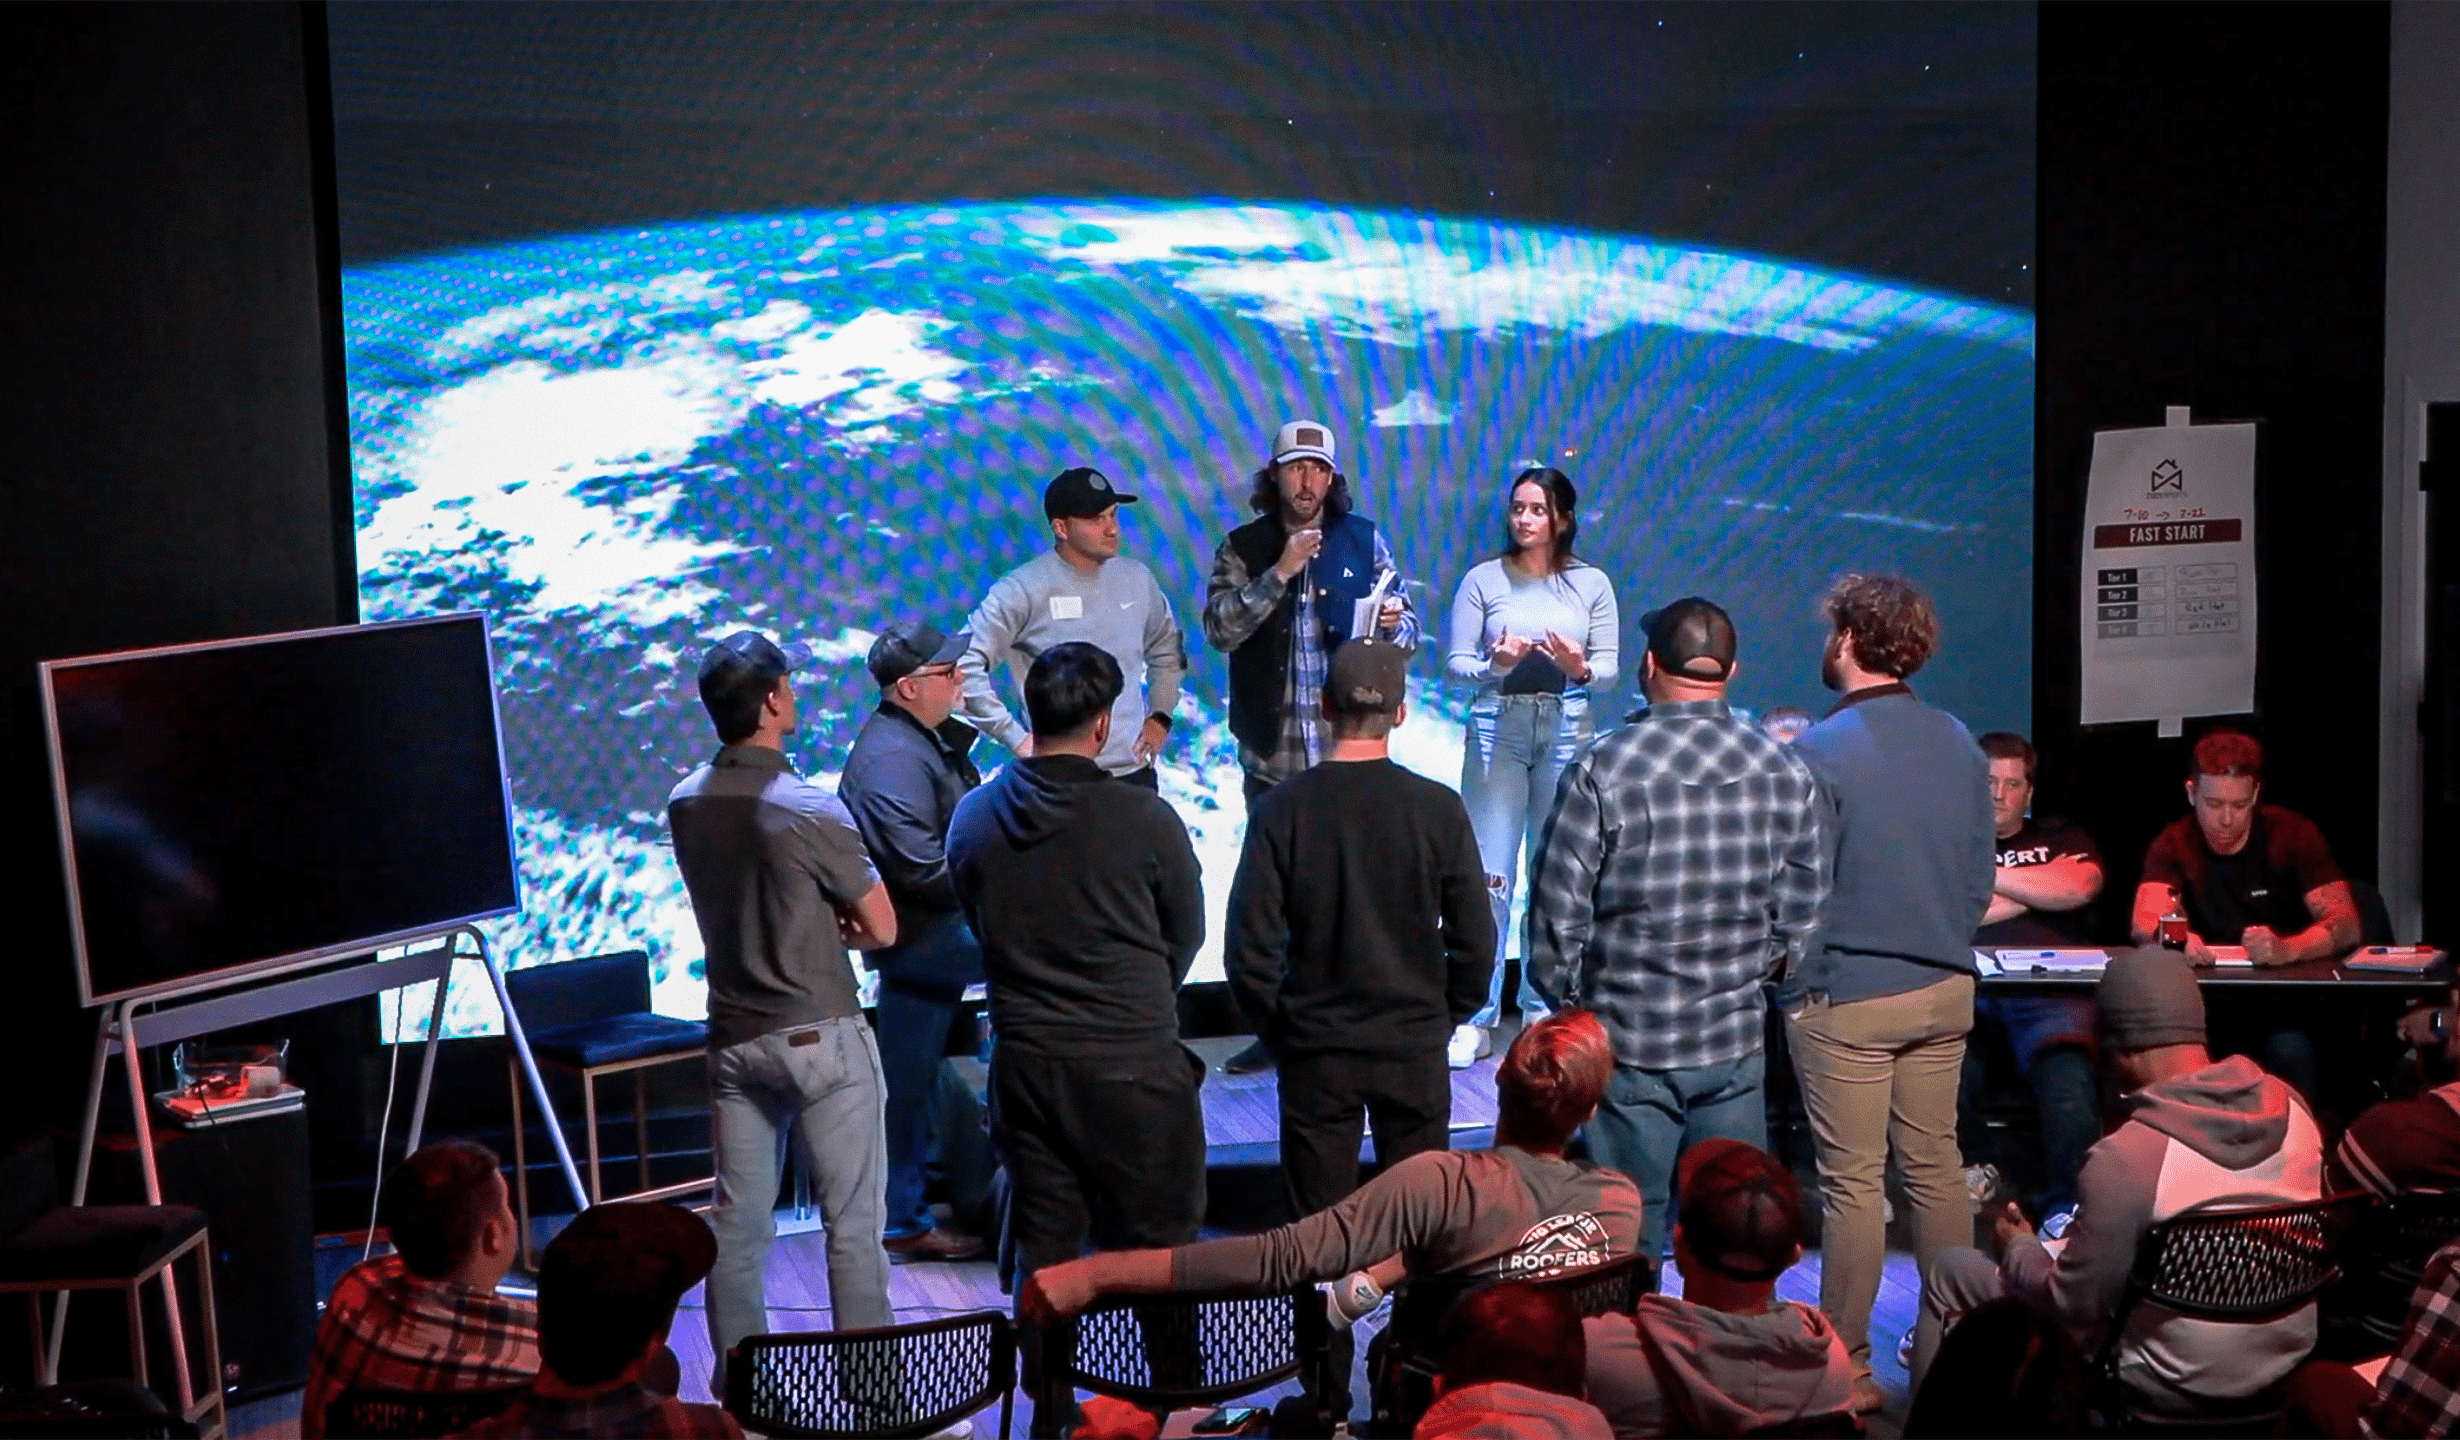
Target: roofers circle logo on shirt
(1555,1245)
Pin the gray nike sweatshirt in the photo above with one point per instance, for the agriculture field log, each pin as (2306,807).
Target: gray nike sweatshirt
(1045,602)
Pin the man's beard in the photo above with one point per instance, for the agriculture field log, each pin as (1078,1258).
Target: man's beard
(1829,673)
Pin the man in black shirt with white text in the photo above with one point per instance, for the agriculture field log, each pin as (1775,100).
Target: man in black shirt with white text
(2049,875)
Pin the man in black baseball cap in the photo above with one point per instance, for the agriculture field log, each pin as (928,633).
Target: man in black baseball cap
(739,678)
(780,887)
(1686,822)
(607,1288)
(1755,1363)
(910,765)
(1692,638)
(1358,935)
(1082,588)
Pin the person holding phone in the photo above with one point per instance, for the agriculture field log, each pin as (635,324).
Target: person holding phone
(1535,630)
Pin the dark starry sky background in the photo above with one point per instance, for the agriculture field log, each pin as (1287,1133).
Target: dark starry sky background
(1892,140)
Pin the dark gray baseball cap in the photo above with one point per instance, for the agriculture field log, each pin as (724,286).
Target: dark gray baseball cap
(903,649)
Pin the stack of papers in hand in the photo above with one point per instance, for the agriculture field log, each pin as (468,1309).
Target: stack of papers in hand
(2053,962)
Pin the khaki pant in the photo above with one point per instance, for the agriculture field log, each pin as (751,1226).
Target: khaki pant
(1875,1073)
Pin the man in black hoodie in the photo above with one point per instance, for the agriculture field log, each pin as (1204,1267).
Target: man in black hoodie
(1089,905)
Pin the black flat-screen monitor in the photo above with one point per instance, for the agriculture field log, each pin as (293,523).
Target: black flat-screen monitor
(235,807)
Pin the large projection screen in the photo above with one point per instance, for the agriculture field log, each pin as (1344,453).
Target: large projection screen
(232,808)
(665,320)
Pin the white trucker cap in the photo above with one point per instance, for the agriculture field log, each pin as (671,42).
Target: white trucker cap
(1301,438)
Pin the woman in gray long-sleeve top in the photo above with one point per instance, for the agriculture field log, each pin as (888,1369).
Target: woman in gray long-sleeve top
(1535,629)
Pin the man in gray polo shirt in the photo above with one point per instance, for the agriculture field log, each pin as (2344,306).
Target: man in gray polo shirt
(780,887)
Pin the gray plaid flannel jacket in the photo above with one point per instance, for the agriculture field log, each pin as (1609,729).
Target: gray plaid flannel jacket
(1679,873)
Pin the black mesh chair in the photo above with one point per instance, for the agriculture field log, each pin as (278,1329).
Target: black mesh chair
(1401,1363)
(2230,1266)
(1613,1288)
(1171,1352)
(414,1414)
(2387,1257)
(895,1382)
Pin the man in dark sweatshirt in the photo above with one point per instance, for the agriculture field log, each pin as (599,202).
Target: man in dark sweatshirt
(1089,905)
(1877,1015)
(1359,935)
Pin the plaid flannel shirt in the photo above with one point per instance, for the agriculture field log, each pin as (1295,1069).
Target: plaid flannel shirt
(626,1412)
(387,1329)
(1236,604)
(2419,1394)
(1679,873)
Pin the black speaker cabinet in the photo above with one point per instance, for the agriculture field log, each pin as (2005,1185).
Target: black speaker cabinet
(250,1177)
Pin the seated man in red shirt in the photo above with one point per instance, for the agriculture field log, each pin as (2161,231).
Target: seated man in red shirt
(2246,873)
(427,1316)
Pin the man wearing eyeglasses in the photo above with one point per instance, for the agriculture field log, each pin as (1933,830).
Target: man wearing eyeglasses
(910,765)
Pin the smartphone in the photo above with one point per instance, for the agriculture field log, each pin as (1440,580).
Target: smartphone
(1227,1420)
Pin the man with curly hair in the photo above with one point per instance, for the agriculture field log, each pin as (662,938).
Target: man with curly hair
(1878,1012)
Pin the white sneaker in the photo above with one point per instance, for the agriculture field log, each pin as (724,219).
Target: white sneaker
(1469,1045)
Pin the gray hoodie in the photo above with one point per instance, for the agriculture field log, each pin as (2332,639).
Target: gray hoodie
(1676,1368)
(2225,1137)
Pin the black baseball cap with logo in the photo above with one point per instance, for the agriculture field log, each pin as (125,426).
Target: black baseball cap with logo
(1080,494)
(1692,638)
(903,649)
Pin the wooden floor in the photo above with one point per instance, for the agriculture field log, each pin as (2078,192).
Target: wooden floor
(1242,1122)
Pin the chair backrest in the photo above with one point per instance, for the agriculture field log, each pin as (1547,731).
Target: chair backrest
(2241,1265)
(1176,1351)
(2397,1238)
(1613,1288)
(1402,1367)
(569,990)
(2374,917)
(895,1381)
(2244,1266)
(414,1414)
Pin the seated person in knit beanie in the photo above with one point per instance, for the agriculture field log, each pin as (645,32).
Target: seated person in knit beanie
(1510,1363)
(2200,1135)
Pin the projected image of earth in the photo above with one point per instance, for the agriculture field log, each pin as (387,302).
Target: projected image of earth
(622,445)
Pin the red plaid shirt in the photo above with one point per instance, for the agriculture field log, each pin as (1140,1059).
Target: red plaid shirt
(2419,1394)
(628,1412)
(387,1329)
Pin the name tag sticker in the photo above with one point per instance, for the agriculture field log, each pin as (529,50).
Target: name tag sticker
(1067,607)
